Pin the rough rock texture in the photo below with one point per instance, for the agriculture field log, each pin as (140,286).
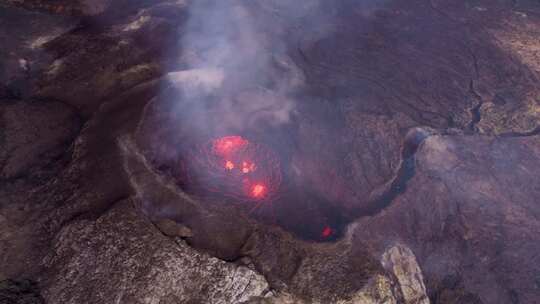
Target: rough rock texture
(407,122)
(34,134)
(379,290)
(122,258)
(19,292)
(401,261)
(174,229)
(323,273)
(470,214)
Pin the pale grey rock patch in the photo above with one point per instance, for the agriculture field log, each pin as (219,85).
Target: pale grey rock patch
(122,258)
(401,261)
(380,290)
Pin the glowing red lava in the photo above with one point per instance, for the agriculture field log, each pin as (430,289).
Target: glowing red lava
(235,167)
(327,232)
(258,190)
(229,165)
(229,145)
(247,167)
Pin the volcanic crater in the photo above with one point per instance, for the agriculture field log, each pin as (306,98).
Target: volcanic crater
(157,151)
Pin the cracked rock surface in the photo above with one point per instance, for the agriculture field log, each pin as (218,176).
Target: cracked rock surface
(412,127)
(474,230)
(122,258)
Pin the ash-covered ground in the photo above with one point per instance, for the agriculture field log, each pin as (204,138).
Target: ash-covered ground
(405,135)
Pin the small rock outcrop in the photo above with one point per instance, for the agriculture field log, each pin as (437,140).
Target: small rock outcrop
(400,261)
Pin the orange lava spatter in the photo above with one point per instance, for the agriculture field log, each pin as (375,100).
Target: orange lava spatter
(229,165)
(258,190)
(234,167)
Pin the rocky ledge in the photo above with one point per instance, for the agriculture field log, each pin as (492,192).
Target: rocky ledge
(409,128)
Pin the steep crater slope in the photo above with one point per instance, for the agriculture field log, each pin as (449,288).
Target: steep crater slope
(411,122)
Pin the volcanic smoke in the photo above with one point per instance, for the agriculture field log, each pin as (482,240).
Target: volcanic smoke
(236,168)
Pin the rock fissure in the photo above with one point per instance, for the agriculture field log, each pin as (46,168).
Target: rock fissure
(476,114)
(405,173)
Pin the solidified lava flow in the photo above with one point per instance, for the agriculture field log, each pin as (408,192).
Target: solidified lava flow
(234,167)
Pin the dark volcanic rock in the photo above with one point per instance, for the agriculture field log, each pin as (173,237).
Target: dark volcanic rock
(122,258)
(171,228)
(35,133)
(82,7)
(470,215)
(96,61)
(19,292)
(288,264)
(23,34)
(406,129)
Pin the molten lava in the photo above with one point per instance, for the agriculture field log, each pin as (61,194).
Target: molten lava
(229,145)
(234,167)
(258,190)
(247,167)
(229,165)
(327,232)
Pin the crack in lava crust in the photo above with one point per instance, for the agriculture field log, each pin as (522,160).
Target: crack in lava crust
(234,167)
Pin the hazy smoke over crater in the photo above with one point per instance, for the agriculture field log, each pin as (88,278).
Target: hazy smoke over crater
(231,59)
(236,51)
(241,73)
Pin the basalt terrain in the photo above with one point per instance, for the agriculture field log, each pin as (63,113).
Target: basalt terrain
(406,133)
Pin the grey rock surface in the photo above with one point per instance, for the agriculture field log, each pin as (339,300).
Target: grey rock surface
(401,261)
(406,122)
(469,186)
(122,258)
